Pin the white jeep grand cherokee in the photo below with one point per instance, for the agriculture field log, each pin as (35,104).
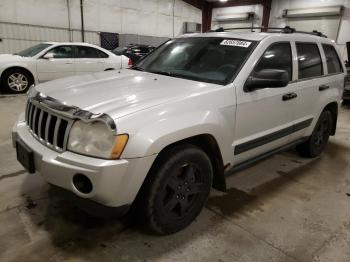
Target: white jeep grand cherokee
(160,135)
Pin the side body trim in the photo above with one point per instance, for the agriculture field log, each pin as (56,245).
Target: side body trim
(241,148)
(263,156)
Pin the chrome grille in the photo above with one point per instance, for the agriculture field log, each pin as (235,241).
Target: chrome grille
(49,128)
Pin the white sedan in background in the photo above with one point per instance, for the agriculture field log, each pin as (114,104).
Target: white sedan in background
(51,60)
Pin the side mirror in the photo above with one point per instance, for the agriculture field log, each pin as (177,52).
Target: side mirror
(273,78)
(48,56)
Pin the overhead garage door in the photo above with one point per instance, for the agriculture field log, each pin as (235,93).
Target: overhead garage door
(327,25)
(234,24)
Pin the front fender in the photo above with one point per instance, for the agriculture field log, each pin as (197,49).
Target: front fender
(155,136)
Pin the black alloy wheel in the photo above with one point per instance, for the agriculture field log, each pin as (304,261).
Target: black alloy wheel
(176,189)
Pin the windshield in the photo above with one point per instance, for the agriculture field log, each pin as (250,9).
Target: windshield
(32,51)
(208,59)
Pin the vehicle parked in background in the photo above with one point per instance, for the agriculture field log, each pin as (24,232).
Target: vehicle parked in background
(51,60)
(346,95)
(158,136)
(134,51)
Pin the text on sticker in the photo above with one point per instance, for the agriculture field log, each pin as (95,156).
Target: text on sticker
(235,43)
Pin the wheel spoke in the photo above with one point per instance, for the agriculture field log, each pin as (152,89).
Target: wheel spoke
(170,205)
(21,77)
(11,84)
(197,188)
(173,182)
(12,78)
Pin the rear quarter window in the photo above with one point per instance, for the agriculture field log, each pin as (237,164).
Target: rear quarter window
(333,62)
(309,60)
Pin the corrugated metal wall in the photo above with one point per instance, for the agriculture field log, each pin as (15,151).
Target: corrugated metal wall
(125,39)
(16,37)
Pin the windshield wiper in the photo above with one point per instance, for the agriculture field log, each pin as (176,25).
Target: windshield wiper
(138,68)
(166,73)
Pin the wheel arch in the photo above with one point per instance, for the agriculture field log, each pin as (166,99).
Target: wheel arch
(209,145)
(18,67)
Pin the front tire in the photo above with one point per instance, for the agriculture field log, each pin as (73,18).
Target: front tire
(16,81)
(176,189)
(319,138)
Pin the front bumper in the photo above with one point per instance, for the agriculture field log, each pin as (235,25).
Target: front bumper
(115,182)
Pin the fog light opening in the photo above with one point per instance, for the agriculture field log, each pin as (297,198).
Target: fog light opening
(82,183)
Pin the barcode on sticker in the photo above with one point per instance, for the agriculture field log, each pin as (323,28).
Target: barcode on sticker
(239,43)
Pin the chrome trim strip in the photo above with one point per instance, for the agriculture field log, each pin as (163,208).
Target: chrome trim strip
(66,136)
(47,127)
(55,134)
(71,112)
(34,119)
(27,112)
(40,123)
(30,115)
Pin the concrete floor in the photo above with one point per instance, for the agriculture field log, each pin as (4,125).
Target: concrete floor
(283,209)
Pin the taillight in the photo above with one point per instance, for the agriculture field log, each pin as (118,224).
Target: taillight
(130,62)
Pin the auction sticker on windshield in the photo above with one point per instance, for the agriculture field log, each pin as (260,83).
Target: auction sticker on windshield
(232,42)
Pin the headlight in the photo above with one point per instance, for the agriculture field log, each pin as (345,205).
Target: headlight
(96,139)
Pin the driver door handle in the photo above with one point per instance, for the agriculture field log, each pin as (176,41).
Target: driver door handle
(323,87)
(289,96)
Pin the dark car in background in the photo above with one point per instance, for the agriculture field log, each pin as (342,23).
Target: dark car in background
(346,95)
(134,51)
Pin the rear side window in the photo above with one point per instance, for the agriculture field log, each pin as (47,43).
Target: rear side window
(333,62)
(102,54)
(277,56)
(89,52)
(309,60)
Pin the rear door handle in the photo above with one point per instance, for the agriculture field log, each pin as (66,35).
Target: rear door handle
(289,96)
(323,87)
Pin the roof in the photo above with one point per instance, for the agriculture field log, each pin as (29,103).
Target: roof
(256,36)
(69,43)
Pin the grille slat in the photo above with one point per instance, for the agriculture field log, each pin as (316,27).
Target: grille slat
(30,114)
(27,112)
(49,128)
(34,117)
(40,123)
(57,127)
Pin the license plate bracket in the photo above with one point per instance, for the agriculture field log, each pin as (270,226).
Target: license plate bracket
(25,156)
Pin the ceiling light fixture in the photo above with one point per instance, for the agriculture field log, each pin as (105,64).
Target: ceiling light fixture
(223,1)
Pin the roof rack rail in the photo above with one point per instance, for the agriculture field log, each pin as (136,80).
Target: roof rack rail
(285,30)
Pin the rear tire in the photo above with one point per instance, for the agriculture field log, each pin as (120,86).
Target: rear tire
(176,189)
(319,138)
(16,81)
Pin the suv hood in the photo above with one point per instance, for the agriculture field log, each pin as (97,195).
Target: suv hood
(119,93)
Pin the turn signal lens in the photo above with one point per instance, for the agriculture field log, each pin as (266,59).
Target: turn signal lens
(119,145)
